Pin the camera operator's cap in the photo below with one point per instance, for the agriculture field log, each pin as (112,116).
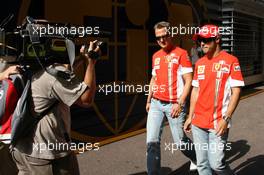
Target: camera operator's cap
(207,31)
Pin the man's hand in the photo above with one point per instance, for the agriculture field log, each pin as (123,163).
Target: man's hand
(147,106)
(175,110)
(9,71)
(221,128)
(90,48)
(187,124)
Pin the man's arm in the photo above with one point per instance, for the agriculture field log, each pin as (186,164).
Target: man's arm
(233,101)
(222,126)
(152,81)
(87,97)
(187,87)
(194,97)
(9,71)
(176,108)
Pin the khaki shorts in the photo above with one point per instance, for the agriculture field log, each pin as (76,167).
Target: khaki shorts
(27,165)
(7,165)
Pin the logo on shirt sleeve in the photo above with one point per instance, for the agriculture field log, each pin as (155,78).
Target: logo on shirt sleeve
(236,67)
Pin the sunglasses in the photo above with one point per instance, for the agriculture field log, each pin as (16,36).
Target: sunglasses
(158,38)
(206,40)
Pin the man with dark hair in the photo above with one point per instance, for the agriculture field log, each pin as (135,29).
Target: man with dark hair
(169,86)
(48,150)
(161,25)
(215,95)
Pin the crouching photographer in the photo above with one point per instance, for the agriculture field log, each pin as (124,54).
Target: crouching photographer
(46,151)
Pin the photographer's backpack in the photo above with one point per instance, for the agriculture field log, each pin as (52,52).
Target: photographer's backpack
(16,117)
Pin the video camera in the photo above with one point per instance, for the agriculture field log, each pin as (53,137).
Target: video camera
(36,47)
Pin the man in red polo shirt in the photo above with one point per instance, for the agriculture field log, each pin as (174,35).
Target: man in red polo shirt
(169,86)
(215,95)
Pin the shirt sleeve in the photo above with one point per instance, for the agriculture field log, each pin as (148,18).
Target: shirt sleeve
(236,78)
(154,66)
(185,64)
(195,82)
(68,91)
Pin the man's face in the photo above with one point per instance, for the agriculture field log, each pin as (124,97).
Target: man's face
(208,45)
(163,38)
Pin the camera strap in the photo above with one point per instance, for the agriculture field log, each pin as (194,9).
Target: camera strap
(61,74)
(54,72)
(71,51)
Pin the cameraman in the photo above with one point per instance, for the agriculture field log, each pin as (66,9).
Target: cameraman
(46,151)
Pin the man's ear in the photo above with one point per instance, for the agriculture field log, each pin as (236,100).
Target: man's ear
(218,40)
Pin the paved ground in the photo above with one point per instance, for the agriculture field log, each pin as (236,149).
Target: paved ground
(128,156)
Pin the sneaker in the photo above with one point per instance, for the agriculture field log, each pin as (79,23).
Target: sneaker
(193,166)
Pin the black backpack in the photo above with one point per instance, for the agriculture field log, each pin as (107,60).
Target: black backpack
(22,121)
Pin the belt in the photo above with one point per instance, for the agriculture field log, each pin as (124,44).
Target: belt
(163,101)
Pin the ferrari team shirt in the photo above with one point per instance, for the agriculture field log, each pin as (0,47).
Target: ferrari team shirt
(168,68)
(215,77)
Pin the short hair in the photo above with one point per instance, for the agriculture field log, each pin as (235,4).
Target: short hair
(162,24)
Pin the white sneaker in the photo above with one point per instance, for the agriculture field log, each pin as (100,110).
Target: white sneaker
(193,166)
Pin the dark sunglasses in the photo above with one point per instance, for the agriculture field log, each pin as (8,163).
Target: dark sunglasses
(158,38)
(206,40)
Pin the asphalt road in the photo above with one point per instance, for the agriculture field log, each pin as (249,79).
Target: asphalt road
(128,156)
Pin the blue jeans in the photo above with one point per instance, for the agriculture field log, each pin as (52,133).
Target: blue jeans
(156,115)
(210,151)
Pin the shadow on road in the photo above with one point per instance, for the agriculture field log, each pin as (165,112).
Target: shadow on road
(253,165)
(238,149)
(184,170)
(164,171)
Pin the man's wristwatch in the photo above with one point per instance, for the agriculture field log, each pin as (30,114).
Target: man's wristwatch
(181,104)
(227,118)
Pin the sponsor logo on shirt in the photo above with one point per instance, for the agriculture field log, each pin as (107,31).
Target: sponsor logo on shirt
(188,58)
(236,67)
(157,61)
(216,67)
(172,58)
(225,68)
(201,69)
(201,77)
(157,67)
(175,61)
